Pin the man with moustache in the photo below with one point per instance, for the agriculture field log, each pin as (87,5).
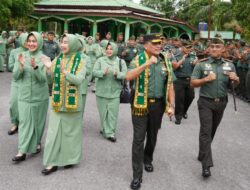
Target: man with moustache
(152,96)
(212,75)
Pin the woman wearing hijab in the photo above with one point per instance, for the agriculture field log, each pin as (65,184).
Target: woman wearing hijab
(3,45)
(63,147)
(93,50)
(14,83)
(33,97)
(109,71)
(88,66)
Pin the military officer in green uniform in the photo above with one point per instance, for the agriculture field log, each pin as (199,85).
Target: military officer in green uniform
(130,51)
(120,45)
(242,70)
(183,68)
(212,75)
(140,44)
(248,76)
(153,95)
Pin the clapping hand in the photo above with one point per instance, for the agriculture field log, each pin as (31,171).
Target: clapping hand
(106,71)
(46,61)
(21,60)
(33,62)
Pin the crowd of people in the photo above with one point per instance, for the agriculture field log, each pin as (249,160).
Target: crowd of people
(160,72)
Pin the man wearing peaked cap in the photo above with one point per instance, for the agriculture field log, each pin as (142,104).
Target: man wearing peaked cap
(151,98)
(212,75)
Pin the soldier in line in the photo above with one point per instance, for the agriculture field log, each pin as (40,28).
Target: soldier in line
(212,75)
(130,51)
(183,68)
(50,49)
(120,45)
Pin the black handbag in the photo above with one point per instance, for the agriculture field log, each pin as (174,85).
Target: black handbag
(125,93)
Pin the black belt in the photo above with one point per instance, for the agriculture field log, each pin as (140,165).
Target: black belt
(221,99)
(184,78)
(154,100)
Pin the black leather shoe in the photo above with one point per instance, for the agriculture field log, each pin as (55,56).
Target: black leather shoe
(68,166)
(149,167)
(12,132)
(177,122)
(38,149)
(185,116)
(49,171)
(19,158)
(112,139)
(135,184)
(206,172)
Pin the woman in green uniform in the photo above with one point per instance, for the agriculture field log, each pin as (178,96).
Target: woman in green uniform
(109,71)
(3,45)
(63,145)
(14,83)
(88,66)
(33,97)
(93,50)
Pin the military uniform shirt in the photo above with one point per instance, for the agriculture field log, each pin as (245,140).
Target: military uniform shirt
(218,87)
(51,49)
(185,70)
(157,78)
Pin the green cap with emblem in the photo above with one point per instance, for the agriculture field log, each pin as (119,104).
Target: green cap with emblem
(217,39)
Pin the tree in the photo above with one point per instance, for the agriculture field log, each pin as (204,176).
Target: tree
(14,11)
(164,6)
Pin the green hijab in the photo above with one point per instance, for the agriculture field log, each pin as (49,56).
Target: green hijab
(82,42)
(114,47)
(4,32)
(73,42)
(39,40)
(22,39)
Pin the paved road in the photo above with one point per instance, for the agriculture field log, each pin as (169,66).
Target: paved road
(107,166)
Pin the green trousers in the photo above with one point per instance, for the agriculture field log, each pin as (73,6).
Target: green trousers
(108,111)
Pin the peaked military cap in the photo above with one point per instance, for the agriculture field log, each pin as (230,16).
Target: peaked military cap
(154,38)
